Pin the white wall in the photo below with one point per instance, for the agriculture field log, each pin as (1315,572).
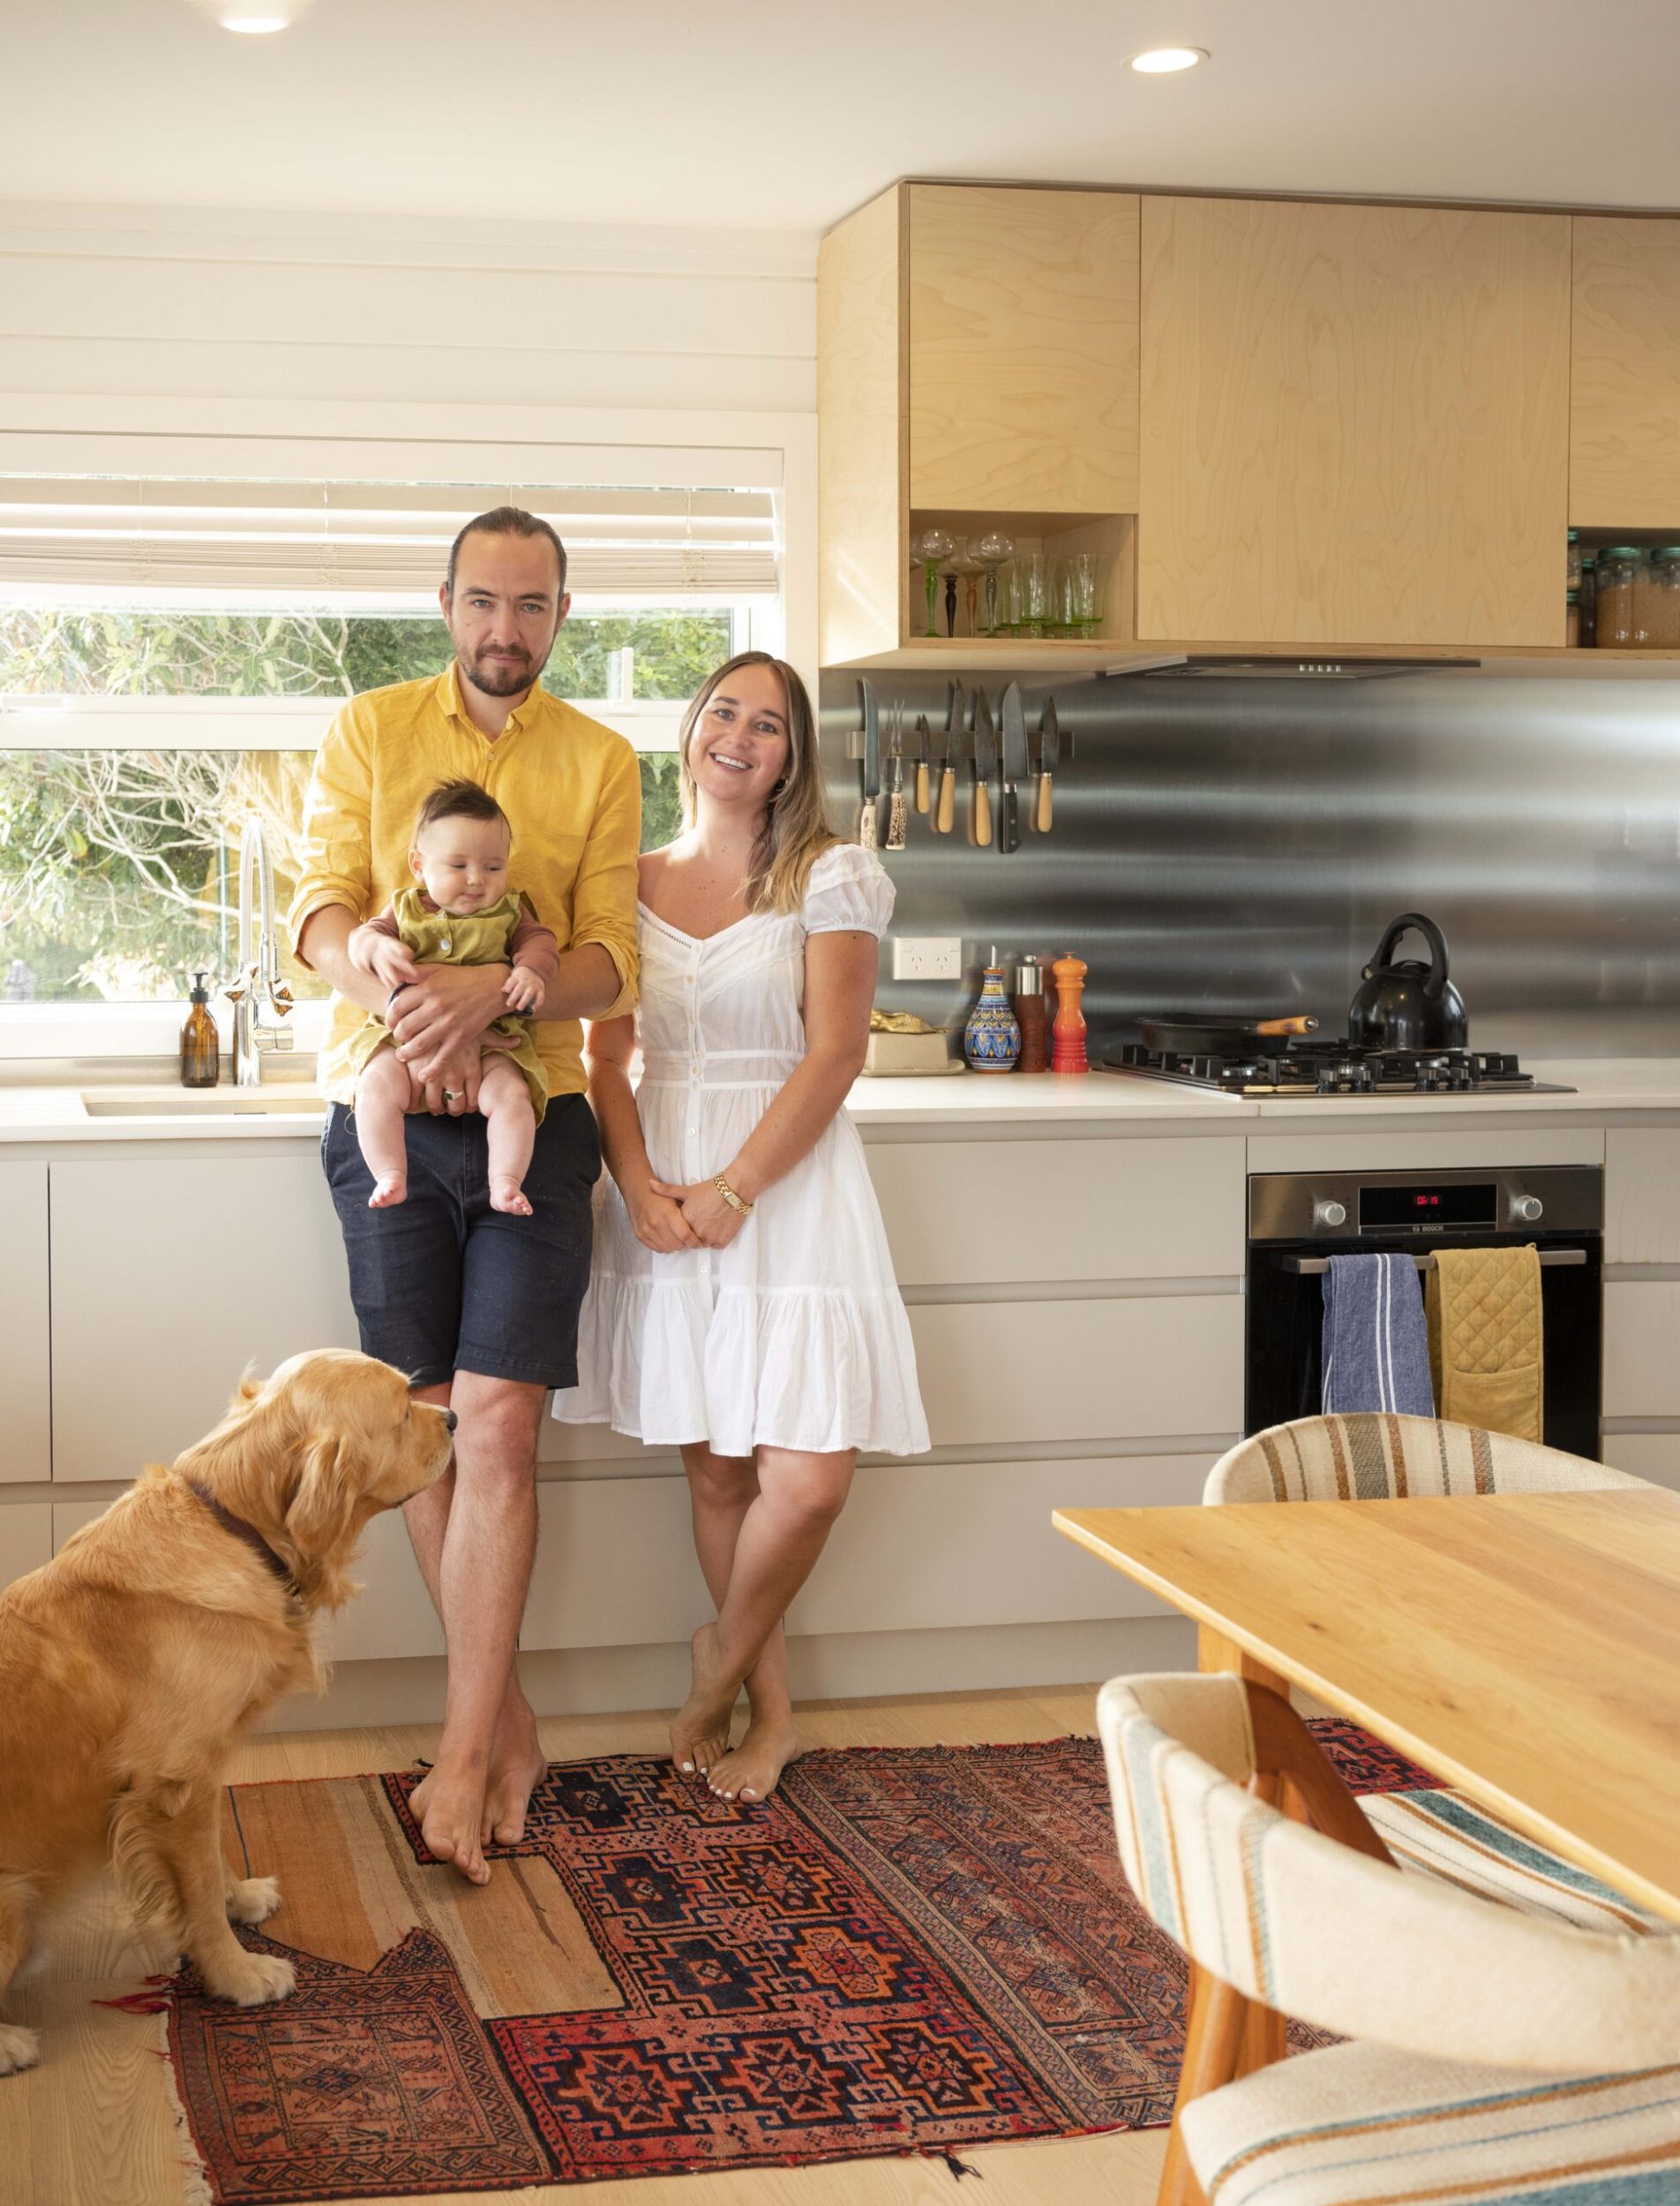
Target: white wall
(164,304)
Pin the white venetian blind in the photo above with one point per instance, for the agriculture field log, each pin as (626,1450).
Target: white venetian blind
(117,535)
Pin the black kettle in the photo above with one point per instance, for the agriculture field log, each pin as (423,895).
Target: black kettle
(1411,1005)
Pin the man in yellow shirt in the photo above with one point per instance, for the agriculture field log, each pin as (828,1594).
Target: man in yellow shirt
(480,1307)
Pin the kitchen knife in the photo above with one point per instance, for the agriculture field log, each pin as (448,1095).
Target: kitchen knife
(895,820)
(1049,744)
(1014,768)
(923,748)
(984,764)
(945,804)
(867,823)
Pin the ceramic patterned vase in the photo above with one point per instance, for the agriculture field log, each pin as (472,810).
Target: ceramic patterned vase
(992,1039)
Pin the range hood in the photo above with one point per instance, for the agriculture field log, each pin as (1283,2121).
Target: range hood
(1226,666)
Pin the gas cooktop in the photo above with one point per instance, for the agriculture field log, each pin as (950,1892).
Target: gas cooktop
(1334,1068)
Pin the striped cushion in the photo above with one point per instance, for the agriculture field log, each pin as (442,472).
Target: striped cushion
(1446,1836)
(1377,1457)
(1359,2126)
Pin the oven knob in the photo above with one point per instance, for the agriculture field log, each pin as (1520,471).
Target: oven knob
(1526,1209)
(1327,1212)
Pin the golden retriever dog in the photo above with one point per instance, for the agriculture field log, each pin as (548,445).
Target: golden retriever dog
(132,1661)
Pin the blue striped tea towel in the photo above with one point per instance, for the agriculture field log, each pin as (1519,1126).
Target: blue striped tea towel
(1375,1345)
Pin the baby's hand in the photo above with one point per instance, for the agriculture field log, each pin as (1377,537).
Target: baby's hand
(522,990)
(387,960)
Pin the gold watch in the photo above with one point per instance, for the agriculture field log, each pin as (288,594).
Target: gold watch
(731,1197)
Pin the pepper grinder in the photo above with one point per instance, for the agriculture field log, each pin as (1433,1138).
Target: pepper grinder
(1030,1015)
(1068,1054)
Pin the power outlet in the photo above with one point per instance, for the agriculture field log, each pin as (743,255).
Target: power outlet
(928,958)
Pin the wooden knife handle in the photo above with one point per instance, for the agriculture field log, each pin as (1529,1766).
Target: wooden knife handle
(945,818)
(1044,804)
(982,814)
(921,785)
(1306,1025)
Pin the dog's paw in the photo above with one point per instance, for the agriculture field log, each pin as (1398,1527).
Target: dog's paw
(19,2048)
(255,1980)
(253,1899)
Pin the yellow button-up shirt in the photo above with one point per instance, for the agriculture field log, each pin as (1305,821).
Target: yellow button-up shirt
(570,788)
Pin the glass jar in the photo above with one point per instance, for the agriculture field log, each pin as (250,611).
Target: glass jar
(1589,598)
(1572,562)
(1647,604)
(1665,625)
(1571,618)
(1618,576)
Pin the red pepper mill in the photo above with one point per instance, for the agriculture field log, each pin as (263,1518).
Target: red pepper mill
(1068,1054)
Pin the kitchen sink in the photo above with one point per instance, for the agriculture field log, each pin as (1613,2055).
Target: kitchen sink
(207,1103)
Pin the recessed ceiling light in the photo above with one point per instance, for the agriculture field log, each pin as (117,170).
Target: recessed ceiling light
(256,18)
(1162,61)
(256,25)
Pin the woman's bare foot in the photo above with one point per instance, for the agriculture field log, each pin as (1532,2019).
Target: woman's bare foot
(389,1191)
(699,1735)
(517,1764)
(449,1807)
(753,1770)
(507,1195)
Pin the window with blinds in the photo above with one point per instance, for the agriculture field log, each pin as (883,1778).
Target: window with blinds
(368,540)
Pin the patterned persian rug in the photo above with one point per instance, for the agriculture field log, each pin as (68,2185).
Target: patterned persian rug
(910,1950)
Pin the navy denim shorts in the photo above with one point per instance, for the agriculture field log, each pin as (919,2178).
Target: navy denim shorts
(442,1283)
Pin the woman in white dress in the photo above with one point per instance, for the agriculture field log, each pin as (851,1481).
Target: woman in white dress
(742,1305)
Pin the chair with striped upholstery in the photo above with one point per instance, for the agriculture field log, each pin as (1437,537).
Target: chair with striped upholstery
(1497,2056)
(1375,1456)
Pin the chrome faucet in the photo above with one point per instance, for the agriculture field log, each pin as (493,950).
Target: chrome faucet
(257,975)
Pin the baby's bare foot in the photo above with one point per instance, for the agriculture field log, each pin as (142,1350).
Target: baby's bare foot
(506,1195)
(389,1191)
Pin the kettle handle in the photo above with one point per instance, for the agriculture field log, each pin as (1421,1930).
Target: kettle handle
(1436,979)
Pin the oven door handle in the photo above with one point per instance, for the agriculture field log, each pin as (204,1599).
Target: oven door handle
(1314,1267)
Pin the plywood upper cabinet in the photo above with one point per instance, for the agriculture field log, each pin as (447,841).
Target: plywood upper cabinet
(1023,334)
(1625,382)
(1355,423)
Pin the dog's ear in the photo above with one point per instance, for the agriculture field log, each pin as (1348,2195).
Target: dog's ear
(322,1508)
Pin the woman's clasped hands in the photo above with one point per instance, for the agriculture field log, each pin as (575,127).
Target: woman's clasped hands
(668,1218)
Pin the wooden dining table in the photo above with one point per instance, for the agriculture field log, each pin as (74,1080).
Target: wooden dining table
(1525,1649)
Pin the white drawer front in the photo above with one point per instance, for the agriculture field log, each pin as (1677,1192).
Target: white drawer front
(1642,1349)
(1130,1368)
(1001,1212)
(1642,1195)
(26,1538)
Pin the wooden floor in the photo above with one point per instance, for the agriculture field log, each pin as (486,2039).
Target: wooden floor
(92,2126)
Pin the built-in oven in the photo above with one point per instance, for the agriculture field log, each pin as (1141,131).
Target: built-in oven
(1297,1221)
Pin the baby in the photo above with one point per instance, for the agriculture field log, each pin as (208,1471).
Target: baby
(460,912)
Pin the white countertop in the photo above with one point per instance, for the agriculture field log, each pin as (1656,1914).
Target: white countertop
(289,1111)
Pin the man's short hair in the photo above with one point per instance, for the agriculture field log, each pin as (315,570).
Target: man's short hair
(506,521)
(459,800)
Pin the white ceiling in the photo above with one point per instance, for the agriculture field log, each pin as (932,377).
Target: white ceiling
(783,114)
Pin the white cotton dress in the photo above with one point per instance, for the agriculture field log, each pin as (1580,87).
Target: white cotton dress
(794,1335)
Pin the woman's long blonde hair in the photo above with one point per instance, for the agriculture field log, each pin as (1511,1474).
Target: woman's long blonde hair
(796,823)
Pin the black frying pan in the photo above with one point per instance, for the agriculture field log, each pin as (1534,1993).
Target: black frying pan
(1214,1035)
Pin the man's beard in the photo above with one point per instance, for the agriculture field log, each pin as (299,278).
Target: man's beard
(503,677)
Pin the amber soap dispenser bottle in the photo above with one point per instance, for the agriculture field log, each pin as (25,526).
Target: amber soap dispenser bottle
(201,1044)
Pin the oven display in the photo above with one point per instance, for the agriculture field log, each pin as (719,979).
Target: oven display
(1424,1210)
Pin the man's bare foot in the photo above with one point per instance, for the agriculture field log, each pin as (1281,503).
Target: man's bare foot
(517,1764)
(699,1735)
(508,1195)
(450,1811)
(389,1191)
(753,1770)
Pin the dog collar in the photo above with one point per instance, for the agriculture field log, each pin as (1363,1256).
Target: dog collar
(248,1533)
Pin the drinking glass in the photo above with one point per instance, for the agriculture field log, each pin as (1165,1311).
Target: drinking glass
(929,548)
(1035,592)
(968,565)
(1084,607)
(992,550)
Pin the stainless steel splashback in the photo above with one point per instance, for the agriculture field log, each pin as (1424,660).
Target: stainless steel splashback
(1240,845)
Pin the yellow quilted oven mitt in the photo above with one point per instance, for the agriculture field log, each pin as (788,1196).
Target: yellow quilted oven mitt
(1485,1339)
